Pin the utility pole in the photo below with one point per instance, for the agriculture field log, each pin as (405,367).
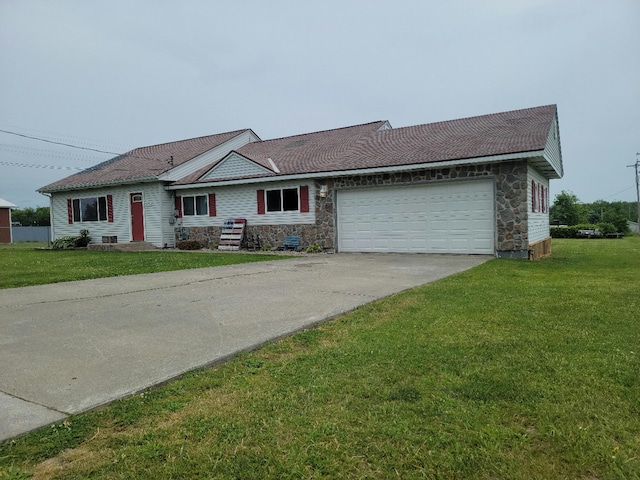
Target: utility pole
(635,165)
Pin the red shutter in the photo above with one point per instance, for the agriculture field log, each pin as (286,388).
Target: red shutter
(212,204)
(304,198)
(261,208)
(539,196)
(533,195)
(110,208)
(70,210)
(543,203)
(179,206)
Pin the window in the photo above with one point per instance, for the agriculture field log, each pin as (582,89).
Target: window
(539,197)
(195,205)
(284,200)
(90,209)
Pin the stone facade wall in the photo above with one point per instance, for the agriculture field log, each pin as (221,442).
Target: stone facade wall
(511,207)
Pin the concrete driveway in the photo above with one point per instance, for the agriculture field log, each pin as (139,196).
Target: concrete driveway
(69,347)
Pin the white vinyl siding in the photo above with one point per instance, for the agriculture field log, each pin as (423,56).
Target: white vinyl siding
(446,217)
(538,220)
(240,201)
(235,166)
(157,209)
(552,151)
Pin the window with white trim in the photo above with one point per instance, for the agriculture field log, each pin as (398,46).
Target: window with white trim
(282,200)
(195,205)
(90,209)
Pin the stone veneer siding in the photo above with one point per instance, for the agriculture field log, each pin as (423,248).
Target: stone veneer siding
(511,207)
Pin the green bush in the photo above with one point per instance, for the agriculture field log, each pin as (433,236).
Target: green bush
(563,232)
(79,241)
(314,248)
(571,232)
(190,245)
(84,239)
(607,228)
(585,226)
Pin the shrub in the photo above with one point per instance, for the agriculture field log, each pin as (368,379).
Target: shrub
(572,232)
(563,232)
(80,241)
(585,226)
(314,248)
(84,239)
(190,245)
(607,228)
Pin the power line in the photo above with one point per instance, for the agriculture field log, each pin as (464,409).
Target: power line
(76,139)
(23,150)
(621,191)
(31,165)
(58,143)
(83,148)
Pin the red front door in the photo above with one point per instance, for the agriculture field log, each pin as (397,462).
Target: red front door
(137,217)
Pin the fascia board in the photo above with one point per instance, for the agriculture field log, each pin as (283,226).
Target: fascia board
(365,171)
(100,185)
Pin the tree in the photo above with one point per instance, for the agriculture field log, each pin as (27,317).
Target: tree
(566,210)
(30,217)
(616,213)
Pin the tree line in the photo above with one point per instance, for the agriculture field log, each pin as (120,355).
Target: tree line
(568,210)
(31,217)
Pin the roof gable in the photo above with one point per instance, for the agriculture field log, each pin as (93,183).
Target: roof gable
(235,165)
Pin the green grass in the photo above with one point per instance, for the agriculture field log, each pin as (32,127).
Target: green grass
(514,370)
(21,264)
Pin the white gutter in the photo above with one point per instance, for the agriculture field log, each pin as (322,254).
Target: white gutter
(363,171)
(99,184)
(51,224)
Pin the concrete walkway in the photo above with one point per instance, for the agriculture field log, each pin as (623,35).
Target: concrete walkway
(69,347)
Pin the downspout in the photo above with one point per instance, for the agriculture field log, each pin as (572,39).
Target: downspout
(51,224)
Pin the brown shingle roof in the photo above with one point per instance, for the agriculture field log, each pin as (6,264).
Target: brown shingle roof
(143,163)
(364,147)
(350,148)
(307,148)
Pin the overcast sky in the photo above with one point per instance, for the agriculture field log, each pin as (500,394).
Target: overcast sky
(115,75)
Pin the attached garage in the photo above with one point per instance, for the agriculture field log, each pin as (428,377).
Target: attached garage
(446,217)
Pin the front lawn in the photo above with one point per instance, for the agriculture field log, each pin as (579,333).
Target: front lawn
(512,370)
(21,264)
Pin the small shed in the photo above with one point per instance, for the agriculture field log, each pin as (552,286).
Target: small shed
(5,221)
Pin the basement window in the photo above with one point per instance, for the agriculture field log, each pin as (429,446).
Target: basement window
(195,205)
(282,200)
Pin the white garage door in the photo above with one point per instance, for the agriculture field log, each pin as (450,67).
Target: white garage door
(438,218)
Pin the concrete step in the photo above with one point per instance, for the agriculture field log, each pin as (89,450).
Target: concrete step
(124,247)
